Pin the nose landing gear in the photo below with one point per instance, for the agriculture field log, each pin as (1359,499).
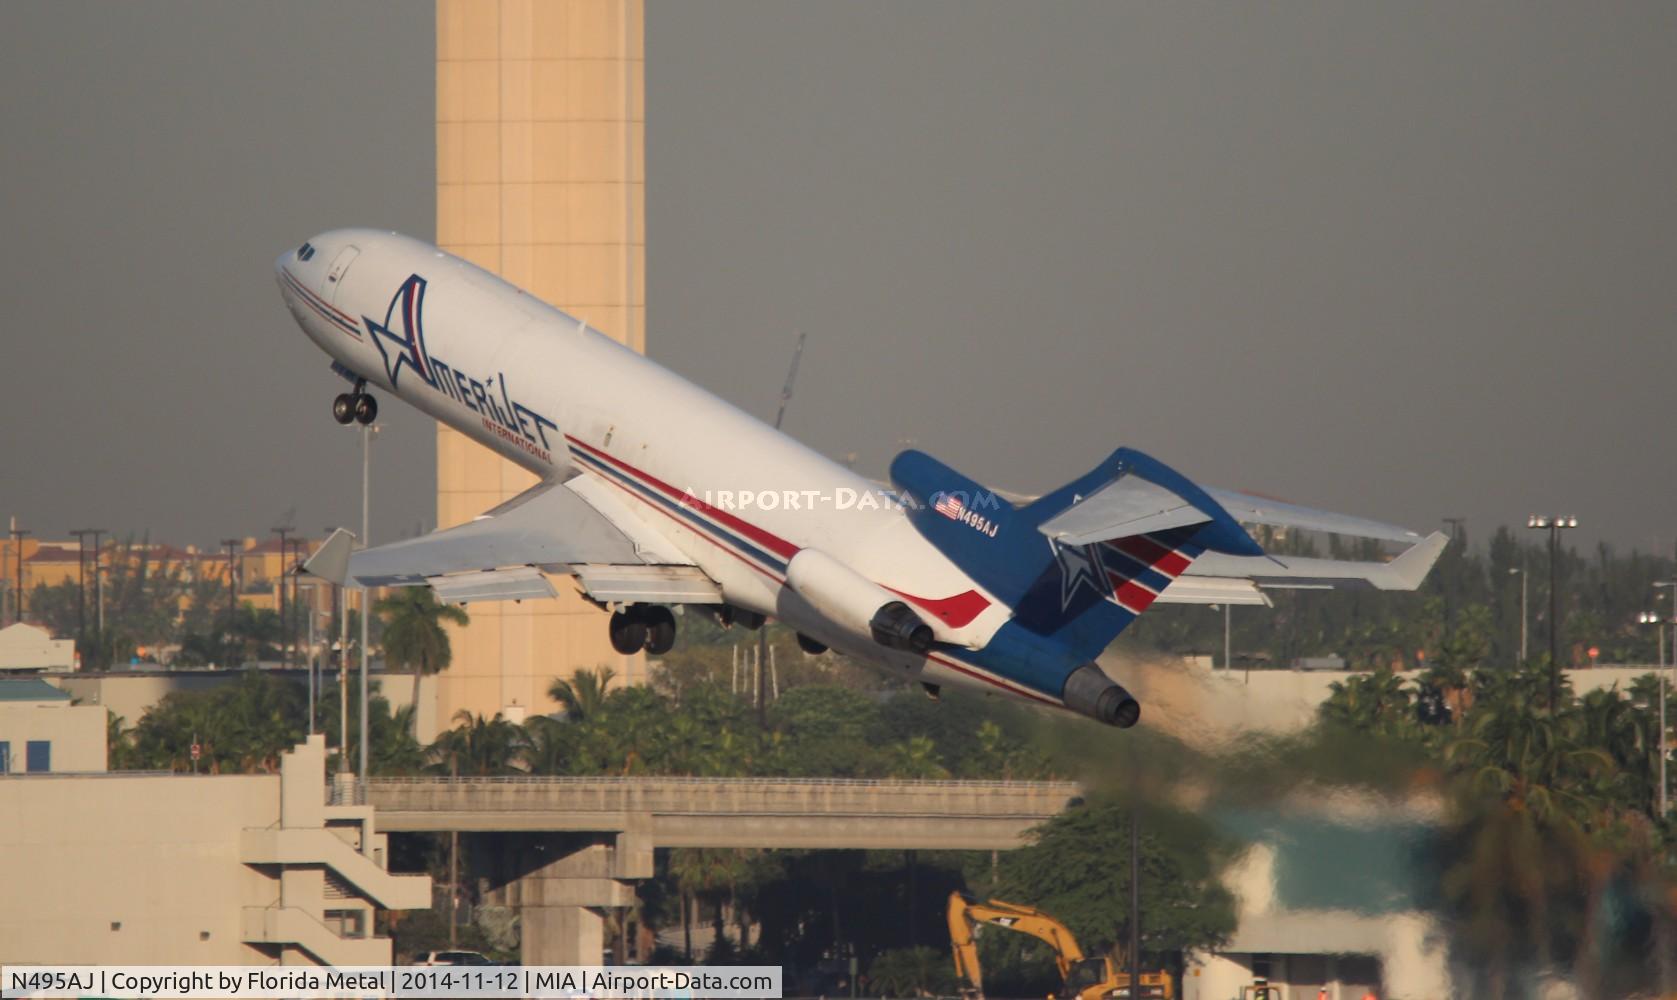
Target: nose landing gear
(355,407)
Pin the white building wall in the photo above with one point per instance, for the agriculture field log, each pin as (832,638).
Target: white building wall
(76,733)
(127,869)
(131,870)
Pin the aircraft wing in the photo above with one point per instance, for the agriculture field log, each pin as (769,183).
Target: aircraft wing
(507,553)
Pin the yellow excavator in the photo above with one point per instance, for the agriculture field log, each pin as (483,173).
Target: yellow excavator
(1082,978)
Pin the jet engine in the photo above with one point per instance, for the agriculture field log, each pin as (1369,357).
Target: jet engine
(857,603)
(1090,692)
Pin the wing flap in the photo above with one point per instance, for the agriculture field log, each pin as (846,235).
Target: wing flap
(515,583)
(1213,590)
(647,584)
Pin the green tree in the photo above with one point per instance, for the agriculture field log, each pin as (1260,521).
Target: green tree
(584,695)
(414,637)
(912,972)
(479,747)
(1077,868)
(241,728)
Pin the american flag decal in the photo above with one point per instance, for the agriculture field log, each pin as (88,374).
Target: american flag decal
(950,506)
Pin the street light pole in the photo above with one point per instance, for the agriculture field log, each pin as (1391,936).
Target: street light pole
(17,534)
(1553,524)
(285,631)
(232,546)
(1135,900)
(99,583)
(1228,657)
(367,434)
(1520,571)
(1654,618)
(81,584)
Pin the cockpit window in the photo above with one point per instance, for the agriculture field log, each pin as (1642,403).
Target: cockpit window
(305,252)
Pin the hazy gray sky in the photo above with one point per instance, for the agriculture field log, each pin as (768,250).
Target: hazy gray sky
(1407,261)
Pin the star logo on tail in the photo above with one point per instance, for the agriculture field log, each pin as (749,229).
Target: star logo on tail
(1080,566)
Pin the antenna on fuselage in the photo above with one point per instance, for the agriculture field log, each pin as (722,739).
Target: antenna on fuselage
(791,376)
(763,633)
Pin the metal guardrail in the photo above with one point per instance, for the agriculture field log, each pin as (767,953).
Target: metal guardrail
(906,784)
(102,774)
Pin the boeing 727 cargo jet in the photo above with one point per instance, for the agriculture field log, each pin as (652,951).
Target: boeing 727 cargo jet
(654,493)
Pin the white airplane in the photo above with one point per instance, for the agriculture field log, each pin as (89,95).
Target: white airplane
(653,492)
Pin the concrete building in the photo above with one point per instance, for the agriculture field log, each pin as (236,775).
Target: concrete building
(540,179)
(145,869)
(1329,898)
(34,650)
(41,731)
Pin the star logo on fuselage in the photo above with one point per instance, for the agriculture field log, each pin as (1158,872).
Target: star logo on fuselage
(1080,566)
(407,348)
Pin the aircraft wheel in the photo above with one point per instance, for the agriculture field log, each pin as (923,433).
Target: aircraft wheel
(628,633)
(810,646)
(660,630)
(343,408)
(366,408)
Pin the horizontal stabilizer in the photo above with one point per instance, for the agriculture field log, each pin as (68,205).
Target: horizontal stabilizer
(1276,572)
(1129,506)
(1249,509)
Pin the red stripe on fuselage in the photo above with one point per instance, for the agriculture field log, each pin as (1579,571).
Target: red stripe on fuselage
(986,678)
(779,546)
(347,318)
(956,611)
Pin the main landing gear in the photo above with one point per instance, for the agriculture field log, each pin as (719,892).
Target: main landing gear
(643,626)
(355,407)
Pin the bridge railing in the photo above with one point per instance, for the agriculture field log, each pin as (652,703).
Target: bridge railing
(642,781)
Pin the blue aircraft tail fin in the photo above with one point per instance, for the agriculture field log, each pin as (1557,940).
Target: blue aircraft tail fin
(1081,592)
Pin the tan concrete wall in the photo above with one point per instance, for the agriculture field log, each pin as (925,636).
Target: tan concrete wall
(1203,706)
(130,870)
(540,178)
(77,734)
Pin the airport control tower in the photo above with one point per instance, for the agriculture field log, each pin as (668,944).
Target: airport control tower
(540,178)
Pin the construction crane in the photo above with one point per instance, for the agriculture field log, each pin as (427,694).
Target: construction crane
(1081,978)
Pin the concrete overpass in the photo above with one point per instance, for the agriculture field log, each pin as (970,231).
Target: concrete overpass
(731,812)
(566,851)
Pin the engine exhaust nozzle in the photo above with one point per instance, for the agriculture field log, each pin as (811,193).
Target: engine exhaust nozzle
(897,626)
(1088,691)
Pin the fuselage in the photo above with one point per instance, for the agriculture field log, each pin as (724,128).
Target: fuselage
(540,388)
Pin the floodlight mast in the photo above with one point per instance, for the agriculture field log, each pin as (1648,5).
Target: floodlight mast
(1554,524)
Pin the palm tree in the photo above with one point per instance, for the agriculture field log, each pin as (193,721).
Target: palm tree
(1376,702)
(414,637)
(584,694)
(479,747)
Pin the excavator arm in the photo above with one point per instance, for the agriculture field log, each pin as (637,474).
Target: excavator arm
(966,912)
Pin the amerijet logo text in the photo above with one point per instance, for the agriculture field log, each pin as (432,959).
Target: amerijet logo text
(490,398)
